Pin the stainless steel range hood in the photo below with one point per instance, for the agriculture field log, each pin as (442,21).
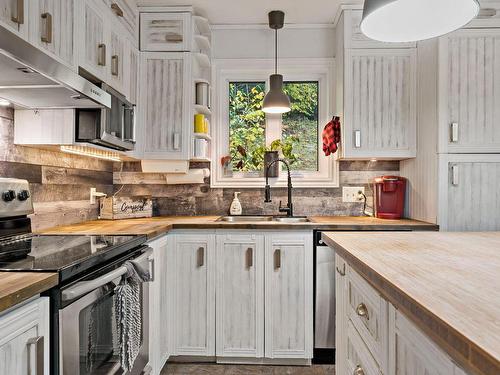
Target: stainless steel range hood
(30,78)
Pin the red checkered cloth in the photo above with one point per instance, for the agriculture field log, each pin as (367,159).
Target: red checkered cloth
(331,136)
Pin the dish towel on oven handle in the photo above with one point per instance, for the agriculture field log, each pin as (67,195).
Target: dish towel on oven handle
(128,311)
(331,136)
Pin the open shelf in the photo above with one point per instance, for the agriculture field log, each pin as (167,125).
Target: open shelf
(201,109)
(203,136)
(206,159)
(203,42)
(202,59)
(202,25)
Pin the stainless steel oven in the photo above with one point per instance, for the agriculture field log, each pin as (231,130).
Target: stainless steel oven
(87,325)
(108,127)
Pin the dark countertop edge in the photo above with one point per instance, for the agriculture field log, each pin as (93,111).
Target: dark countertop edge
(27,292)
(466,353)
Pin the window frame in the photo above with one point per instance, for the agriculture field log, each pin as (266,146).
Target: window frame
(258,70)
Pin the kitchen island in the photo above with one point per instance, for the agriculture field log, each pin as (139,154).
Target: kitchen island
(446,284)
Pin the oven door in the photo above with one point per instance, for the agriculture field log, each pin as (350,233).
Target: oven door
(87,326)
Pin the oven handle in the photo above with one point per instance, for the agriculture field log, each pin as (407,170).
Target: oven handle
(84,287)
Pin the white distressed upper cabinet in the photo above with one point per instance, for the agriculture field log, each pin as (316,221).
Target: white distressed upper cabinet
(92,40)
(468,192)
(158,301)
(165,106)
(379,104)
(469,77)
(118,62)
(167,32)
(51,28)
(288,295)
(14,16)
(24,335)
(240,295)
(193,292)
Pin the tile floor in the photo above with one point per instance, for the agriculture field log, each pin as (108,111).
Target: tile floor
(214,369)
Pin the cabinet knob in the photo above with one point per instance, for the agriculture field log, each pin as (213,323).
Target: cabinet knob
(358,371)
(362,311)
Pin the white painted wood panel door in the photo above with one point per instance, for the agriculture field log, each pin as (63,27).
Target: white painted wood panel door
(380,104)
(158,311)
(165,92)
(14,16)
(341,318)
(193,265)
(469,99)
(240,295)
(469,198)
(289,295)
(19,331)
(51,24)
(92,39)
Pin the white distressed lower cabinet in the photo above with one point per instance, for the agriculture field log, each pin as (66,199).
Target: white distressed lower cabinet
(24,339)
(158,302)
(374,338)
(241,296)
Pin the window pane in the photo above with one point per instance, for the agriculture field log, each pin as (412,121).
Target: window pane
(300,125)
(246,125)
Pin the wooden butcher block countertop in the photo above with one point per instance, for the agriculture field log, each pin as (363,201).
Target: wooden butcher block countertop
(158,225)
(447,283)
(16,287)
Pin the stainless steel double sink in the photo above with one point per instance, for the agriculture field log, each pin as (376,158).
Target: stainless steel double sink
(258,218)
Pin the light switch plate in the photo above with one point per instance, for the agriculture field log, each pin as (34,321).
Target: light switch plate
(350,194)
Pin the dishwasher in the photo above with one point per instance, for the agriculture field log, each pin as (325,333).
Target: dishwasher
(324,302)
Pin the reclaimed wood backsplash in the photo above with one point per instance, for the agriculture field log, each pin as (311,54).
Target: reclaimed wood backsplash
(59,182)
(203,200)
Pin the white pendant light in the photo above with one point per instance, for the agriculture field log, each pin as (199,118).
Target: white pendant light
(276,101)
(413,20)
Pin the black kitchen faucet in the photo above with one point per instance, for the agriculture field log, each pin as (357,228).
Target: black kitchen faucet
(289,206)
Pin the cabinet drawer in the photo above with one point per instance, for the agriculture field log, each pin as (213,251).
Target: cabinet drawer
(169,32)
(358,356)
(368,312)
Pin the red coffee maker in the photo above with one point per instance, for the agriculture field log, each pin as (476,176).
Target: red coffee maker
(389,197)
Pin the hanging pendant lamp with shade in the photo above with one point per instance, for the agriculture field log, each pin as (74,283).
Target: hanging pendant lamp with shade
(276,101)
(414,20)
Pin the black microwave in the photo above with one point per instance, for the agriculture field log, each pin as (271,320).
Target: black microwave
(108,127)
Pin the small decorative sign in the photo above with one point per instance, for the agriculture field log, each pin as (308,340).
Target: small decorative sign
(113,208)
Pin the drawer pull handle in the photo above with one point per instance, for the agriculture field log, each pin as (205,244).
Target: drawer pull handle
(249,257)
(101,54)
(358,370)
(116,8)
(19,16)
(341,271)
(201,257)
(277,259)
(47,28)
(37,343)
(114,65)
(362,311)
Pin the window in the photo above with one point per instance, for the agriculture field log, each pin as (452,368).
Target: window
(244,132)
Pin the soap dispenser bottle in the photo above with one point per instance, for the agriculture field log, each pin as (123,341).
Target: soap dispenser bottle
(235,205)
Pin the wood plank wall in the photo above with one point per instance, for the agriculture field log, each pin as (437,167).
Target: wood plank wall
(203,200)
(59,182)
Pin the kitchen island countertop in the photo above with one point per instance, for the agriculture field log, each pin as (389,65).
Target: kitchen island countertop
(155,226)
(448,284)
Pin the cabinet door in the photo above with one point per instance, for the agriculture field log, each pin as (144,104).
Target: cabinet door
(380,102)
(289,295)
(165,32)
(52,28)
(358,359)
(468,192)
(165,105)
(14,16)
(92,40)
(413,352)
(24,332)
(117,64)
(470,92)
(194,294)
(341,317)
(158,302)
(240,295)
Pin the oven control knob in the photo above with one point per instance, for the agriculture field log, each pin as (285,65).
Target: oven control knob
(9,195)
(23,195)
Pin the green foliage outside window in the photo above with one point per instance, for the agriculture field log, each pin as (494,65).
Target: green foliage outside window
(247,126)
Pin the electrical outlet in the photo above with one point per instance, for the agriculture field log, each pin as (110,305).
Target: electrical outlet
(351,194)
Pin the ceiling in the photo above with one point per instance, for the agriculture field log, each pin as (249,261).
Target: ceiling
(238,12)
